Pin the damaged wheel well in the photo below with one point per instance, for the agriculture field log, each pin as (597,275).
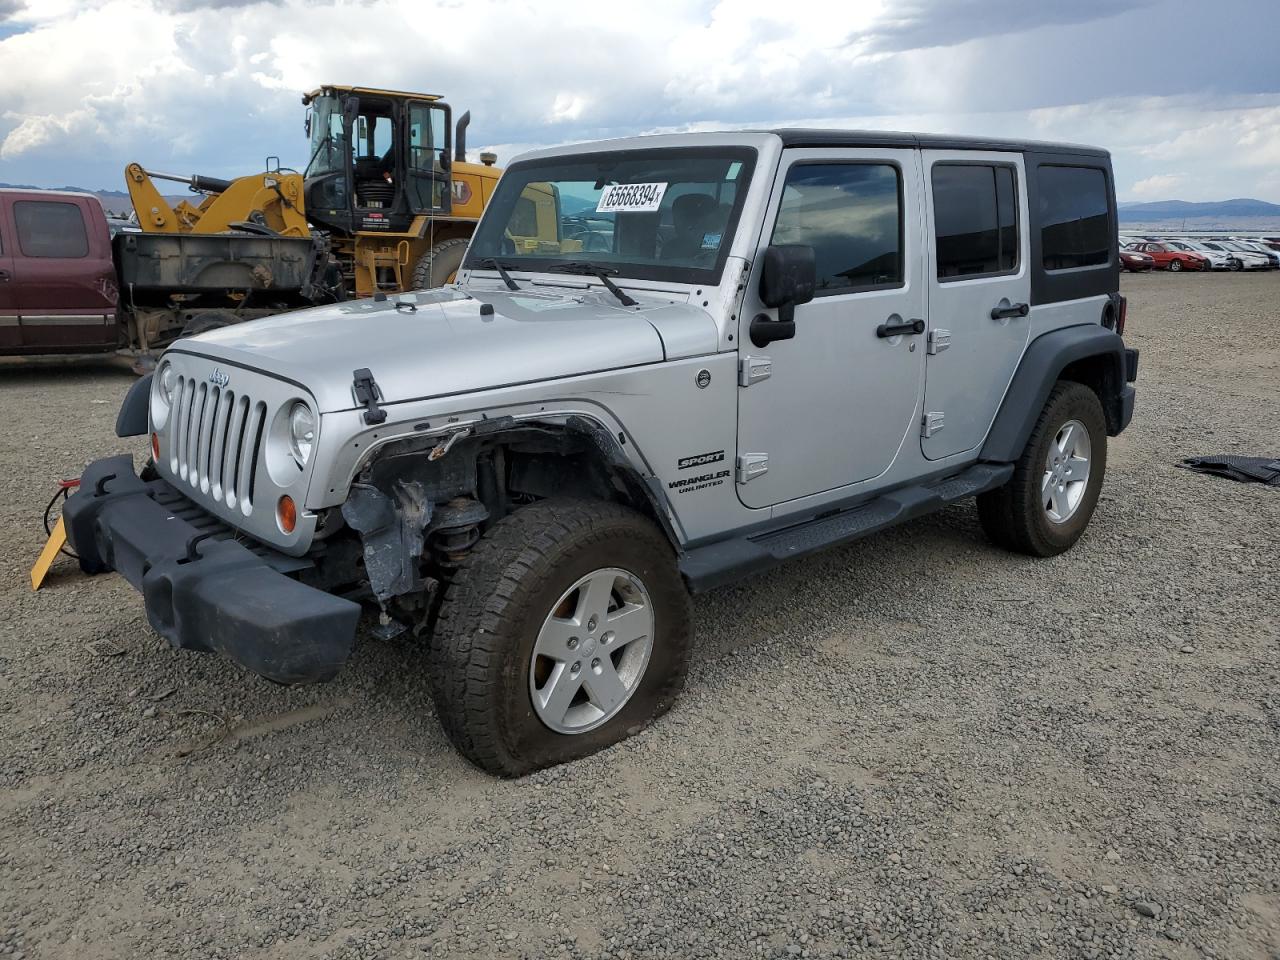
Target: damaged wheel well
(418,504)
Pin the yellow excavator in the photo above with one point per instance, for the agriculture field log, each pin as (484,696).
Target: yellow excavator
(387,186)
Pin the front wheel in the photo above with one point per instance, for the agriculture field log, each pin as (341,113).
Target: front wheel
(1047,503)
(565,630)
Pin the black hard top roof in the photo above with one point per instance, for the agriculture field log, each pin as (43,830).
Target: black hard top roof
(799,137)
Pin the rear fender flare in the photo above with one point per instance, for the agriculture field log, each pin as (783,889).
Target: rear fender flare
(1041,366)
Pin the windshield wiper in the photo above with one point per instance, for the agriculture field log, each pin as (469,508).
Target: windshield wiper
(600,273)
(502,272)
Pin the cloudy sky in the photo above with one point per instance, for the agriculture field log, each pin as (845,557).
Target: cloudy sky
(1186,93)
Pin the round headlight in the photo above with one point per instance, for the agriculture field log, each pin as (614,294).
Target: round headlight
(165,382)
(302,431)
(163,388)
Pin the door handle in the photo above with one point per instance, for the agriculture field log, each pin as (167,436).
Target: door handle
(896,326)
(4,276)
(1013,310)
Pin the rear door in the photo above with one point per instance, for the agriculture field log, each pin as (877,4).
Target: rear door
(834,405)
(10,334)
(979,293)
(64,279)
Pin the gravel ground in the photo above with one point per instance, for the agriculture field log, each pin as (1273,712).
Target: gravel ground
(917,746)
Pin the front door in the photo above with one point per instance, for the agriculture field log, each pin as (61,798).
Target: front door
(428,179)
(834,405)
(63,277)
(979,293)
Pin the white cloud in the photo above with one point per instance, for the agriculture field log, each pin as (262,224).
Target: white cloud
(1157,186)
(213,85)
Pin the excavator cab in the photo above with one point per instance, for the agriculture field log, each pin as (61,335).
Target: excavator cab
(378,158)
(390,184)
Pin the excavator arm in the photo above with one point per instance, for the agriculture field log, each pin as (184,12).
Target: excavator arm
(272,200)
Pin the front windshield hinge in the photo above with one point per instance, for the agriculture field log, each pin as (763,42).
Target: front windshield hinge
(367,394)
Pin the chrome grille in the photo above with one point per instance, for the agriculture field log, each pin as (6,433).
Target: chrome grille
(215,441)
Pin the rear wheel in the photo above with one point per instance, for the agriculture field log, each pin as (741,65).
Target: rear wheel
(566,629)
(1047,503)
(440,264)
(1175,265)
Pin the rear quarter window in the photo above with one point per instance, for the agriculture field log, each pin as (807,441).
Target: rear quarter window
(1075,220)
(50,228)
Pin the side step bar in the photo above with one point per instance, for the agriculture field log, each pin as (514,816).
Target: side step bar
(717,564)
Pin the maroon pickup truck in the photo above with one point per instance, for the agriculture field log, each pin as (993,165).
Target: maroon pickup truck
(68,287)
(58,289)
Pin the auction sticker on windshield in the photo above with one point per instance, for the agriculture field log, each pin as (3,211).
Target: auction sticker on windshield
(631,198)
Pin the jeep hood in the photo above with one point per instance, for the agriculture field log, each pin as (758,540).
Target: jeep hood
(438,342)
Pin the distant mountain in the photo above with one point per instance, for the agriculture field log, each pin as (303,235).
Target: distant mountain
(113,201)
(1178,209)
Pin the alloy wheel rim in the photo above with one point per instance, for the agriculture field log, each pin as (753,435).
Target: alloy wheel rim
(592,651)
(1066,472)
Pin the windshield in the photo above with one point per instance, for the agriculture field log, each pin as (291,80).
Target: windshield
(324,125)
(661,214)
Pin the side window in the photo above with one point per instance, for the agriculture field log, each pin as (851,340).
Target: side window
(851,214)
(524,218)
(1075,217)
(975,220)
(50,228)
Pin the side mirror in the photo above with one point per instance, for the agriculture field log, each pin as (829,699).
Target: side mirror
(788,278)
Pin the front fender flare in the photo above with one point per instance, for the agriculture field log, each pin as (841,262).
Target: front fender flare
(131,421)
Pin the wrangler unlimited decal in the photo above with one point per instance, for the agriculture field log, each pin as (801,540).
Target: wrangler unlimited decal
(701,482)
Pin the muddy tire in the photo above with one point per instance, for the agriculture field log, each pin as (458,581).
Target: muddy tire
(440,264)
(566,630)
(1047,503)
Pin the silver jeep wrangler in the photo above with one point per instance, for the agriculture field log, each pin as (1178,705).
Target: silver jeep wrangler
(668,363)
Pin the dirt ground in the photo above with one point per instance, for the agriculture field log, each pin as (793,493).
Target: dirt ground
(918,746)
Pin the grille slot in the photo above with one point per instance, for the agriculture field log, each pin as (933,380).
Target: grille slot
(215,440)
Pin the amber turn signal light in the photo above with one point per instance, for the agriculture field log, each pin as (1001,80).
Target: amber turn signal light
(155,447)
(286,514)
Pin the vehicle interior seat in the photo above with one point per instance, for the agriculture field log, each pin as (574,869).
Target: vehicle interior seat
(691,215)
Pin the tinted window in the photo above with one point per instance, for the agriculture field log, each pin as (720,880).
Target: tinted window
(48,228)
(1075,221)
(851,214)
(975,220)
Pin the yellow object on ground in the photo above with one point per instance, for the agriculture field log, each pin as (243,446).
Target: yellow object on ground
(50,553)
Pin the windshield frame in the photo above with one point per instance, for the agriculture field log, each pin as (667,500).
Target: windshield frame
(513,183)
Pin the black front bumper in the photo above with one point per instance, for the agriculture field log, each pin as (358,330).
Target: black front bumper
(202,589)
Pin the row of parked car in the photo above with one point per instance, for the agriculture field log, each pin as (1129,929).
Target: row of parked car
(1139,254)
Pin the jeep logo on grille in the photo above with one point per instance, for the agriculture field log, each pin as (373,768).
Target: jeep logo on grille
(218,378)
